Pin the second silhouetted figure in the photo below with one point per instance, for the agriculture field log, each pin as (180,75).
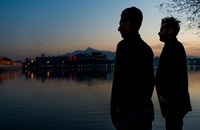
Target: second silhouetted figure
(171,77)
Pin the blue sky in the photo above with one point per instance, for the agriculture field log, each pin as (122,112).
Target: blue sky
(29,28)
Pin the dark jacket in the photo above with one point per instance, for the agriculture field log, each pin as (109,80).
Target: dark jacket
(171,79)
(133,80)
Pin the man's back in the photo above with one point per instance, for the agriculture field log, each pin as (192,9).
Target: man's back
(134,73)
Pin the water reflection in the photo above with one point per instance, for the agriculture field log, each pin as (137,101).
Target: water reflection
(64,100)
(89,76)
(10,74)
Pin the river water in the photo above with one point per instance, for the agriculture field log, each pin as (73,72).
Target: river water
(71,101)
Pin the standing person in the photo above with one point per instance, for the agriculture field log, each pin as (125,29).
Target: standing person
(171,78)
(133,83)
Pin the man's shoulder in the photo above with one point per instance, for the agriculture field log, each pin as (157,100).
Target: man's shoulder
(121,43)
(146,45)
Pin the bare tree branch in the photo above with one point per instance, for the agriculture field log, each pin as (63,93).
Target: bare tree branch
(187,11)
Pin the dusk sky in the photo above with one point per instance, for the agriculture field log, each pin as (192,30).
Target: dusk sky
(29,28)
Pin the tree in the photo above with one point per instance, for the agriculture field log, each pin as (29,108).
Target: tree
(187,11)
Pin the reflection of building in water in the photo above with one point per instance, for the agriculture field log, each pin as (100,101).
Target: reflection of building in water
(9,69)
(77,76)
(8,75)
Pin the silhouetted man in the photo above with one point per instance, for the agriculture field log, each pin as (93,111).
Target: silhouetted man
(171,78)
(133,82)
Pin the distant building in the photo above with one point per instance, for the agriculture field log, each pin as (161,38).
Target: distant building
(93,60)
(192,63)
(8,64)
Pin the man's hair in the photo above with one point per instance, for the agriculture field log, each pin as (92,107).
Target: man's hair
(134,16)
(172,22)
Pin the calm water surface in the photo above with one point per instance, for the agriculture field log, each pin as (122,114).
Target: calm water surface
(70,101)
